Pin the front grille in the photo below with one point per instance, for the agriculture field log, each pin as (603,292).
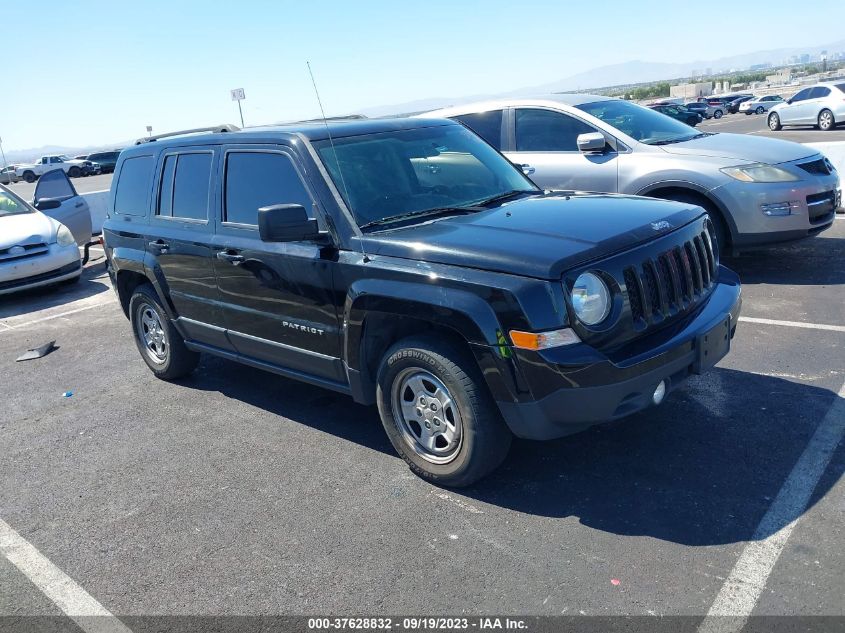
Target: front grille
(821,204)
(819,167)
(671,282)
(30,250)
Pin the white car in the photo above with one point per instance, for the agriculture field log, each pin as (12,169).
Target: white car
(35,250)
(759,105)
(822,105)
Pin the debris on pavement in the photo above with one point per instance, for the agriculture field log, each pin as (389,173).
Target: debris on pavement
(37,352)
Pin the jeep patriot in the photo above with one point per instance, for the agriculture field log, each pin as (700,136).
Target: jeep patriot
(408,264)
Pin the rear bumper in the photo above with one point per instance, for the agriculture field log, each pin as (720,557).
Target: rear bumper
(592,388)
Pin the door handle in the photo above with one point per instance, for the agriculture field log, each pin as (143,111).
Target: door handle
(232,258)
(527,169)
(160,246)
(79,205)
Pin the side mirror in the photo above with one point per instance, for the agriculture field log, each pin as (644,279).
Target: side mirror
(286,223)
(47,204)
(591,142)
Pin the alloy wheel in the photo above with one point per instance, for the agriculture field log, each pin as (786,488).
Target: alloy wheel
(151,333)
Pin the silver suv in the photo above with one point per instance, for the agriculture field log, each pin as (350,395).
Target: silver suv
(756,190)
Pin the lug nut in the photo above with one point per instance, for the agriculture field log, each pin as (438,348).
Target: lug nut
(419,412)
(436,421)
(427,424)
(434,406)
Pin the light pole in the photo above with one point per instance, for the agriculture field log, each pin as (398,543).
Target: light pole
(5,164)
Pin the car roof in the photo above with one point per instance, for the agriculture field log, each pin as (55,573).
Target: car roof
(571,99)
(316,130)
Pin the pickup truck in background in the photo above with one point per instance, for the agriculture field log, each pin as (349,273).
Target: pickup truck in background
(71,166)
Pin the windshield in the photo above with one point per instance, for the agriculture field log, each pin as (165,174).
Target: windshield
(12,205)
(642,124)
(410,172)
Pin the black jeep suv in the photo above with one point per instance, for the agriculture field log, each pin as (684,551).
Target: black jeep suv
(410,265)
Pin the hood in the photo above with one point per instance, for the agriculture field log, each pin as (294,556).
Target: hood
(26,228)
(541,236)
(742,148)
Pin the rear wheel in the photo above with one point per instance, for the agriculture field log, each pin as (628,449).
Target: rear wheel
(717,114)
(74,172)
(161,346)
(29,176)
(774,122)
(438,413)
(760,110)
(826,120)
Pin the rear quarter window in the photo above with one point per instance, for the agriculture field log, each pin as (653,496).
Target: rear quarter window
(131,195)
(488,125)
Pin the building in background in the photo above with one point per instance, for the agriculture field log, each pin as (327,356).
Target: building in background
(692,90)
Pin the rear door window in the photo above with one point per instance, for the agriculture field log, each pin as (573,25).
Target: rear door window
(133,186)
(488,125)
(184,190)
(256,179)
(819,92)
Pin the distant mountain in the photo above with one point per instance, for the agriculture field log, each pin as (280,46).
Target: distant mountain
(633,72)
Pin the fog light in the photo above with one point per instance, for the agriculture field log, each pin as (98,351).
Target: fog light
(659,393)
(775,209)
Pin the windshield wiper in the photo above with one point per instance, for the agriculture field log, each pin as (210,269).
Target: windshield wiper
(504,196)
(438,211)
(683,139)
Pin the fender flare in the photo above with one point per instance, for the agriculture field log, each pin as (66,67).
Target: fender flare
(697,189)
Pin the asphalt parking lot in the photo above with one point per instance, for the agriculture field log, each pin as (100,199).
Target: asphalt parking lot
(756,125)
(239,492)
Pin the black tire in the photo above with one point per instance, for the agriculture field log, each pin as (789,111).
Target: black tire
(774,122)
(74,172)
(826,120)
(177,360)
(718,114)
(29,176)
(760,110)
(719,227)
(484,438)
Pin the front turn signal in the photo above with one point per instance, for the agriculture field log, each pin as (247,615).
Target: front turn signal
(543,340)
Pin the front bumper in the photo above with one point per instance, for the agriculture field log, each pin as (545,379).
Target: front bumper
(58,264)
(575,387)
(750,226)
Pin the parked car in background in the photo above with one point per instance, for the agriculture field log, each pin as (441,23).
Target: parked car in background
(759,105)
(733,105)
(703,108)
(8,175)
(56,196)
(678,112)
(106,160)
(90,168)
(407,264)
(720,105)
(71,166)
(757,190)
(822,105)
(35,249)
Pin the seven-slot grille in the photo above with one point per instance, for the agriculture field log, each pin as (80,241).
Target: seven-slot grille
(30,250)
(671,282)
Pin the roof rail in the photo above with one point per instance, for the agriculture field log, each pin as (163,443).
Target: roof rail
(225,127)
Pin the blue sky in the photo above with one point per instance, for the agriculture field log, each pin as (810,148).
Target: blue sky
(83,73)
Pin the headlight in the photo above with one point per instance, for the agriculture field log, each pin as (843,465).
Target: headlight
(64,237)
(759,172)
(590,299)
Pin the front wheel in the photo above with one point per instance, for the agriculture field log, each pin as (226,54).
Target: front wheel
(717,114)
(438,413)
(774,122)
(760,110)
(160,344)
(74,172)
(826,121)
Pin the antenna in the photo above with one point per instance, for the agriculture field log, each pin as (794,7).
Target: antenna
(336,160)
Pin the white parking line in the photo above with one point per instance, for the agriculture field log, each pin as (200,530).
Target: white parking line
(72,599)
(809,326)
(742,589)
(52,316)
